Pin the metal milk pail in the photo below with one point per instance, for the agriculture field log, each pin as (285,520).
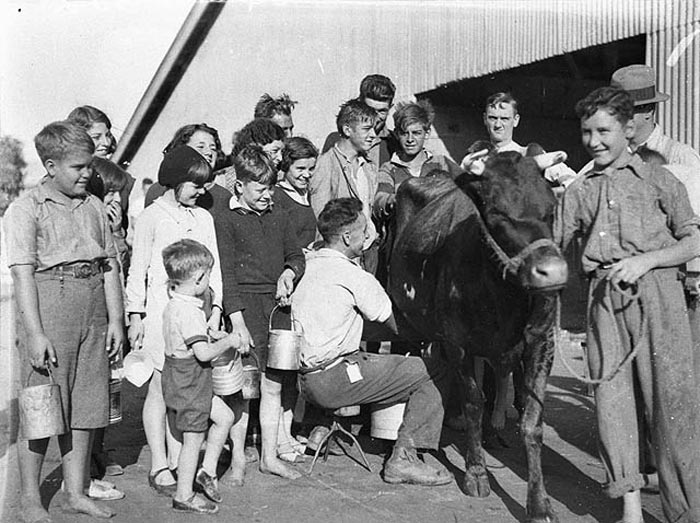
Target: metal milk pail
(251,380)
(115,401)
(387,420)
(227,374)
(284,346)
(40,410)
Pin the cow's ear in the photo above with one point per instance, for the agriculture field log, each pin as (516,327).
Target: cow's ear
(433,224)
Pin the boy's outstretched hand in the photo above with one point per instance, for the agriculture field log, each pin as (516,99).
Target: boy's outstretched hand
(285,287)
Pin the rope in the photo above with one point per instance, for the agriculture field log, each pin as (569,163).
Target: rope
(632,294)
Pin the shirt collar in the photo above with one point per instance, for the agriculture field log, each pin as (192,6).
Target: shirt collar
(47,192)
(652,141)
(361,158)
(397,161)
(188,299)
(303,199)
(235,205)
(634,163)
(327,252)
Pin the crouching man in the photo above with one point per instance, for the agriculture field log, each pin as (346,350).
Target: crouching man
(330,302)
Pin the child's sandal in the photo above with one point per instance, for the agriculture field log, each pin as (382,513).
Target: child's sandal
(287,453)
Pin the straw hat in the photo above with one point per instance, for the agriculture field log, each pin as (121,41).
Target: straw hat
(640,82)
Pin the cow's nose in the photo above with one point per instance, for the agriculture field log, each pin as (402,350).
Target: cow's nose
(549,272)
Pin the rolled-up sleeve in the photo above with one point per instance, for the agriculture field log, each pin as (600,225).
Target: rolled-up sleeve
(20,228)
(674,201)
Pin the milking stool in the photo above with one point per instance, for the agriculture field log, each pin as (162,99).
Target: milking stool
(336,430)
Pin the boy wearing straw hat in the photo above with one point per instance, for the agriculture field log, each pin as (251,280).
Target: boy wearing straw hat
(69,303)
(637,227)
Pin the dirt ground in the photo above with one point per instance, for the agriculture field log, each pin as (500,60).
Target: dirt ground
(341,490)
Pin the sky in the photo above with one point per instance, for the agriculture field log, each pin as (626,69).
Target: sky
(58,54)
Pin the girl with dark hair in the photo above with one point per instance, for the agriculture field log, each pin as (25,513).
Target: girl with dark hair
(171,217)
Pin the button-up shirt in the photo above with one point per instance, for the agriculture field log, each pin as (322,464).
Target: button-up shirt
(330,302)
(624,211)
(672,150)
(184,324)
(45,228)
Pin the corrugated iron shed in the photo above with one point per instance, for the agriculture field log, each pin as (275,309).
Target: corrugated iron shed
(318,52)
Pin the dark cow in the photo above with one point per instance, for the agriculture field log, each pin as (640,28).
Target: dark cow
(474,267)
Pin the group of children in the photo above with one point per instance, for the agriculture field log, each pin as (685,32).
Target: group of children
(213,257)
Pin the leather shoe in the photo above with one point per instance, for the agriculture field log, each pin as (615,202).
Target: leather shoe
(195,505)
(208,485)
(315,438)
(404,466)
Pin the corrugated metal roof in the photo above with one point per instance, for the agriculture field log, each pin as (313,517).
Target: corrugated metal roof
(675,54)
(318,51)
(449,41)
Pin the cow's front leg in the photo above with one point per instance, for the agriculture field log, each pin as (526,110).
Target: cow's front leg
(537,367)
(476,481)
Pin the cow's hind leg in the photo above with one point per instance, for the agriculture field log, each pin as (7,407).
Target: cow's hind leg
(538,365)
(476,481)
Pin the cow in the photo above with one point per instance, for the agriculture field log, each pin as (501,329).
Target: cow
(473,266)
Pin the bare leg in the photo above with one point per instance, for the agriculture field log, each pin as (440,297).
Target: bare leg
(75,449)
(222,420)
(270,404)
(632,507)
(31,458)
(187,464)
(236,473)
(155,428)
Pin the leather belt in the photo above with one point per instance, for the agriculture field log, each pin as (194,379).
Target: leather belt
(81,270)
(323,366)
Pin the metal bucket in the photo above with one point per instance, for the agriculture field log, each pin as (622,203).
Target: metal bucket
(284,346)
(40,411)
(115,401)
(227,375)
(251,380)
(387,420)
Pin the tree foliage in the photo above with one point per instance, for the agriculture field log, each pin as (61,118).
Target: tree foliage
(12,166)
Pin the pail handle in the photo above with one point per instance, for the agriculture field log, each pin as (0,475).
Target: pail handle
(272,312)
(255,358)
(48,369)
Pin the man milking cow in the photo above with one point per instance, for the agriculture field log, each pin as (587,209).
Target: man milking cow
(330,303)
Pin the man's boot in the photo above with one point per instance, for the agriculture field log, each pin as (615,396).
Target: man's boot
(404,466)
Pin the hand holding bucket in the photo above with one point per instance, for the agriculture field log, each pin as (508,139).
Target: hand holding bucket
(284,346)
(40,410)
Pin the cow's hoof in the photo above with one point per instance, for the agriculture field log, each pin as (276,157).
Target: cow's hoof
(546,515)
(476,484)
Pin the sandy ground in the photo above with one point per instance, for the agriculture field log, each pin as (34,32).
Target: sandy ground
(340,489)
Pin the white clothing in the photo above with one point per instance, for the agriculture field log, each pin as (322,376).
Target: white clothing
(160,224)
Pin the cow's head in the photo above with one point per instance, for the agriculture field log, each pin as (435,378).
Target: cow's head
(517,207)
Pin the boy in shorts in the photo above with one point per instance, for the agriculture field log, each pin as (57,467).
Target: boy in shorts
(637,227)
(187,382)
(69,304)
(260,263)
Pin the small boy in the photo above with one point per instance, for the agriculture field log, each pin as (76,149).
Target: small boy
(412,127)
(346,171)
(69,303)
(637,227)
(187,382)
(260,263)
